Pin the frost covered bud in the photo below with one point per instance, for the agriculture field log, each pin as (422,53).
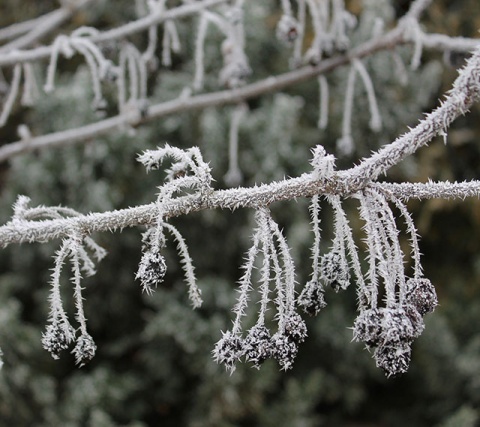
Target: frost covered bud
(287,29)
(397,326)
(56,338)
(84,350)
(393,359)
(284,350)
(258,346)
(295,328)
(421,294)
(333,272)
(311,298)
(415,319)
(228,350)
(151,270)
(368,327)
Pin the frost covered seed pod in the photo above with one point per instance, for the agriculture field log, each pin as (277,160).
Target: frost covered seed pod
(284,350)
(393,359)
(295,328)
(312,299)
(151,270)
(367,327)
(84,350)
(258,345)
(415,319)
(57,338)
(228,350)
(396,326)
(421,294)
(287,29)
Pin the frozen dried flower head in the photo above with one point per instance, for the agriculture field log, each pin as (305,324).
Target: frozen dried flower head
(368,327)
(284,350)
(421,294)
(57,337)
(151,270)
(333,271)
(295,328)
(393,359)
(84,350)
(397,326)
(258,345)
(415,319)
(228,350)
(312,298)
(287,29)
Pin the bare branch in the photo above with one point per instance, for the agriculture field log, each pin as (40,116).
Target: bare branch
(43,26)
(133,27)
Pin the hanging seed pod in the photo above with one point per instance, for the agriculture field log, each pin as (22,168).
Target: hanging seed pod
(295,328)
(422,295)
(151,270)
(397,326)
(367,327)
(57,337)
(393,359)
(228,350)
(284,350)
(84,350)
(312,299)
(287,29)
(415,319)
(258,345)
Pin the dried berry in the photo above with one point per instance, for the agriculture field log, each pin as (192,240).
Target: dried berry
(368,327)
(312,299)
(416,320)
(228,350)
(284,350)
(57,337)
(84,350)
(258,345)
(393,359)
(295,328)
(151,270)
(421,294)
(397,326)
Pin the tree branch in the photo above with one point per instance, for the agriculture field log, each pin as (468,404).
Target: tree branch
(182,103)
(44,52)
(47,23)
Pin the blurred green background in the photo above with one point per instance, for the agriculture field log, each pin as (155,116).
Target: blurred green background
(153,366)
